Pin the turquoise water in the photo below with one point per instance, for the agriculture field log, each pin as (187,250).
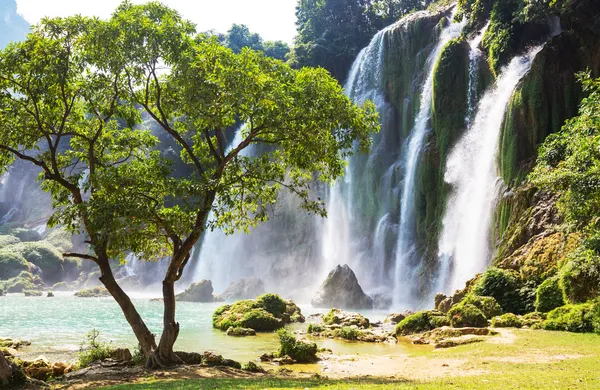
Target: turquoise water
(57,326)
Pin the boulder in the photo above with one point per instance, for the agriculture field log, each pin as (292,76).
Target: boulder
(252,367)
(240,332)
(59,369)
(341,289)
(439,297)
(247,288)
(96,292)
(197,292)
(212,359)
(343,318)
(381,301)
(394,318)
(121,355)
(50,294)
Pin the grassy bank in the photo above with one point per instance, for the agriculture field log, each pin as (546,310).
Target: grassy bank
(516,359)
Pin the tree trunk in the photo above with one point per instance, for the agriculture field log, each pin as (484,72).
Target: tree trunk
(141,331)
(164,356)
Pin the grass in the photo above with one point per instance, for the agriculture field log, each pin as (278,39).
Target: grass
(532,361)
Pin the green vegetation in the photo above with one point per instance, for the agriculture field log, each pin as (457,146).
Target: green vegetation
(503,286)
(488,305)
(421,322)
(96,292)
(466,315)
(301,351)
(549,296)
(264,314)
(93,350)
(315,328)
(583,317)
(12,263)
(508,320)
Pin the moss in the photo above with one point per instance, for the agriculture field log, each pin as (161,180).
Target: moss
(503,286)
(466,315)
(47,258)
(488,305)
(574,318)
(348,333)
(580,276)
(301,351)
(315,328)
(96,292)
(421,322)
(549,296)
(26,235)
(507,320)
(6,240)
(12,263)
(340,317)
(263,314)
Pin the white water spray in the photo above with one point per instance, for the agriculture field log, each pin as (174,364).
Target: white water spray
(405,252)
(471,171)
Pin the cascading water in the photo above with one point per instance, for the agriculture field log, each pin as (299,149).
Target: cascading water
(472,173)
(475,56)
(406,262)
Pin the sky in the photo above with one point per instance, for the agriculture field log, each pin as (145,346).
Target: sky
(272,19)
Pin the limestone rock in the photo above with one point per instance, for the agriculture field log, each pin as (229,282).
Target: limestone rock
(284,360)
(240,332)
(341,289)
(197,292)
(50,294)
(343,318)
(59,369)
(247,288)
(394,318)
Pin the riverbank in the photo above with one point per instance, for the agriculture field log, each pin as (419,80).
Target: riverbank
(528,359)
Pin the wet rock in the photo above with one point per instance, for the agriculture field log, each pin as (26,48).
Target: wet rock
(252,367)
(50,294)
(394,318)
(381,301)
(266,357)
(284,360)
(344,318)
(341,289)
(438,299)
(240,332)
(247,288)
(32,293)
(121,355)
(197,292)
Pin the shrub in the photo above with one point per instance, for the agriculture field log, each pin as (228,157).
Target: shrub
(572,318)
(502,285)
(6,240)
(580,276)
(549,296)
(315,328)
(488,305)
(508,320)
(26,235)
(11,263)
(533,319)
(348,333)
(300,350)
(466,315)
(94,350)
(138,358)
(60,239)
(272,303)
(421,322)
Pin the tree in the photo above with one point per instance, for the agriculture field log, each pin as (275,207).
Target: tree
(60,113)
(276,49)
(69,102)
(239,37)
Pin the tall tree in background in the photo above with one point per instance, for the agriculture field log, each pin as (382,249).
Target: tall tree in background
(239,37)
(331,33)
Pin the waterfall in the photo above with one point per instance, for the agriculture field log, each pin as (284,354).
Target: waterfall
(405,268)
(475,56)
(471,171)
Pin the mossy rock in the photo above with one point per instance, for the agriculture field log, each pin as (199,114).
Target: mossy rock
(12,263)
(60,286)
(23,281)
(7,240)
(549,296)
(421,322)
(467,315)
(240,332)
(267,313)
(488,305)
(574,318)
(302,351)
(503,285)
(32,293)
(508,320)
(47,258)
(340,317)
(26,235)
(96,292)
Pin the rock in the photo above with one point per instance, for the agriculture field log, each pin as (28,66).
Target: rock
(284,360)
(394,318)
(247,288)
(39,373)
(197,292)
(252,367)
(381,301)
(266,357)
(438,299)
(32,293)
(59,369)
(212,359)
(70,368)
(341,289)
(264,314)
(240,332)
(190,357)
(60,286)
(96,292)
(445,305)
(8,352)
(343,318)
(6,372)
(121,355)
(456,342)
(50,294)
(16,344)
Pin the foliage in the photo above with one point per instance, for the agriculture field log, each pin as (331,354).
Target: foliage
(96,292)
(583,317)
(421,322)
(549,296)
(6,240)
(488,305)
(47,258)
(580,276)
(12,263)
(348,333)
(503,286)
(93,350)
(301,351)
(138,358)
(332,32)
(315,328)
(466,315)
(239,37)
(508,320)
(272,303)
(264,314)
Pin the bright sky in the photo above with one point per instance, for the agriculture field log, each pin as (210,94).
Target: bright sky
(272,19)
